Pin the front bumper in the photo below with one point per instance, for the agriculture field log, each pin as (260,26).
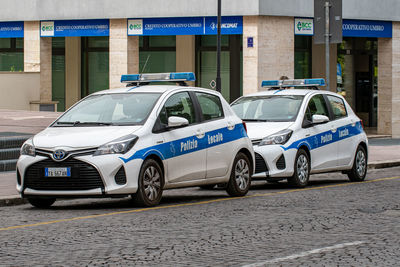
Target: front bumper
(97,176)
(274,161)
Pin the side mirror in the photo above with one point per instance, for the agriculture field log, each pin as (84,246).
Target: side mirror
(175,122)
(319,119)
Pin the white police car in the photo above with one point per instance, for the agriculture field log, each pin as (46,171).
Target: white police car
(138,140)
(296,132)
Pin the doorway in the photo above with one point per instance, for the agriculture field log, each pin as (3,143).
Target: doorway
(231,64)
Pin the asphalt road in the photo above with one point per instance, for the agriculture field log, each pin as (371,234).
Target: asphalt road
(331,223)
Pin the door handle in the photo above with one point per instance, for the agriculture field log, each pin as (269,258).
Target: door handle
(200,133)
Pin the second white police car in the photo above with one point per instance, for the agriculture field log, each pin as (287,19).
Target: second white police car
(138,141)
(296,132)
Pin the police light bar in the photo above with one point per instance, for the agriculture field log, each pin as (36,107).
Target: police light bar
(158,77)
(293,83)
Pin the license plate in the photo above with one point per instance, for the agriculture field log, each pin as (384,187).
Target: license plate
(57,172)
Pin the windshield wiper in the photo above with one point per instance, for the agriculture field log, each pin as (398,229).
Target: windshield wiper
(77,123)
(255,120)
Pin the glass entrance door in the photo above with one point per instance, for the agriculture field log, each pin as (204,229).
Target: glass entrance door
(58,72)
(231,64)
(95,64)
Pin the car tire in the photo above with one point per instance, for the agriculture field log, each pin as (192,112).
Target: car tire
(207,186)
(359,169)
(150,184)
(240,179)
(41,203)
(302,168)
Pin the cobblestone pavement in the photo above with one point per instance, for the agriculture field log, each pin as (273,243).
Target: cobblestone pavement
(338,224)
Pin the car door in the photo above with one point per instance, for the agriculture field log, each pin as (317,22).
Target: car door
(219,152)
(186,160)
(324,151)
(345,140)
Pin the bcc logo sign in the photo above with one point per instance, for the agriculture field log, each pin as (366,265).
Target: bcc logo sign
(47,28)
(135,27)
(304,26)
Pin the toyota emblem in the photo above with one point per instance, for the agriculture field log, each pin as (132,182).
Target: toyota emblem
(59,154)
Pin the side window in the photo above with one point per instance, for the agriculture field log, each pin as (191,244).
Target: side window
(316,106)
(210,105)
(338,106)
(179,105)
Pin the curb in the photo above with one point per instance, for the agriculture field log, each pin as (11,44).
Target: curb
(384,164)
(12,201)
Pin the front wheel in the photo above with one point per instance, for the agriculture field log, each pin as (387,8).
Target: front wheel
(150,183)
(41,203)
(239,182)
(359,169)
(301,169)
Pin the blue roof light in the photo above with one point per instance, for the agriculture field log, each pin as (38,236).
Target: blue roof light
(158,77)
(270,83)
(293,83)
(318,82)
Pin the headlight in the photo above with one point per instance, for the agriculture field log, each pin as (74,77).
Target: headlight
(118,146)
(28,148)
(278,138)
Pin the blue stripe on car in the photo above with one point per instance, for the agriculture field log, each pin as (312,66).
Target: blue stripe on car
(327,137)
(190,144)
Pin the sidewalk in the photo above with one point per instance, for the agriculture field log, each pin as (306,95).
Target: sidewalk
(383,152)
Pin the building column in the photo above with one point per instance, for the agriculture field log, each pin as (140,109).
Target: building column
(396,80)
(185,54)
(45,70)
(385,86)
(31,46)
(72,70)
(272,54)
(318,63)
(124,52)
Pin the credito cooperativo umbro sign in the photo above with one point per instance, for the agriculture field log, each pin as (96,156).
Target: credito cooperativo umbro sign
(303,26)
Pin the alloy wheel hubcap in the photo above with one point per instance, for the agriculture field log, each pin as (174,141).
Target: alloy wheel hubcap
(360,163)
(152,183)
(302,168)
(242,174)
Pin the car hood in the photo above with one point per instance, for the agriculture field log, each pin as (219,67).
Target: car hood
(80,137)
(259,130)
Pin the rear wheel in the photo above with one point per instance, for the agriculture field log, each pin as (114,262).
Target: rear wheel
(150,183)
(239,182)
(41,203)
(359,169)
(301,169)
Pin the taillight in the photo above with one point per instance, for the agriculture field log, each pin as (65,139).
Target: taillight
(362,124)
(244,125)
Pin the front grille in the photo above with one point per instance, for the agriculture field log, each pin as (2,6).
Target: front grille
(120,177)
(83,176)
(281,164)
(260,164)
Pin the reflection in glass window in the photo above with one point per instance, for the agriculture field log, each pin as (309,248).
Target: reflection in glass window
(316,106)
(115,109)
(338,107)
(268,108)
(210,105)
(178,105)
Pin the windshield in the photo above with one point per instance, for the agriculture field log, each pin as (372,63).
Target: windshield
(268,108)
(110,109)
